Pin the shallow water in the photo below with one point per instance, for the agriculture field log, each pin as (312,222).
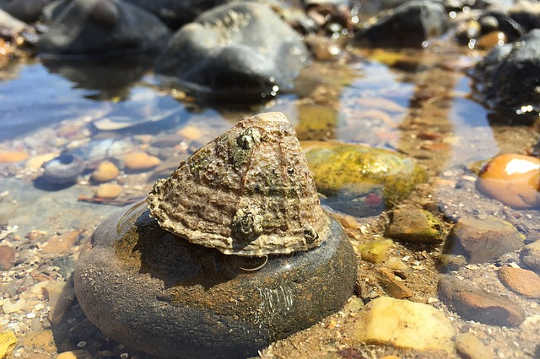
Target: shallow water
(420,106)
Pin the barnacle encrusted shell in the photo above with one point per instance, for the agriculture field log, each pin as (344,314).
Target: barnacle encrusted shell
(248,192)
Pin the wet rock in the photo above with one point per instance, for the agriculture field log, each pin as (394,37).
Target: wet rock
(470,347)
(7,257)
(449,262)
(176,13)
(34,163)
(191,133)
(361,180)
(530,256)
(391,284)
(61,244)
(241,50)
(101,27)
(9,24)
(492,39)
(483,240)
(106,171)
(75,354)
(408,25)
(316,122)
(521,281)
(376,250)
(12,156)
(62,170)
(108,190)
(139,281)
(405,324)
(414,225)
(60,296)
(25,10)
(7,343)
(140,161)
(512,179)
(475,304)
(511,76)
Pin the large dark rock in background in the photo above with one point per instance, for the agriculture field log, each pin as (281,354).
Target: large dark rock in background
(510,75)
(238,50)
(408,25)
(101,27)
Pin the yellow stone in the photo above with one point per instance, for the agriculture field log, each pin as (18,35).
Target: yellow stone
(35,162)
(105,171)
(7,343)
(190,133)
(13,156)
(376,251)
(512,179)
(404,324)
(137,161)
(75,354)
(108,190)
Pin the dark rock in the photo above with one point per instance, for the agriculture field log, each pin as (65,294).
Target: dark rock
(158,293)
(414,225)
(527,14)
(101,28)
(25,10)
(7,257)
(408,25)
(62,170)
(483,240)
(239,50)
(176,13)
(475,304)
(510,75)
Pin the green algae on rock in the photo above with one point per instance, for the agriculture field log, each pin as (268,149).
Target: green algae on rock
(415,225)
(361,180)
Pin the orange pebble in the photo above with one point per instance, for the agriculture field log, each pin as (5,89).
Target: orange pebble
(512,179)
(12,156)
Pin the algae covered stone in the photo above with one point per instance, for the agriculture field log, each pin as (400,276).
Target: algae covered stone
(361,180)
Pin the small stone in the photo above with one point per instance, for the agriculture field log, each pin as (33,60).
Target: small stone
(391,285)
(12,156)
(137,161)
(470,347)
(414,225)
(35,163)
(108,190)
(191,133)
(13,307)
(475,304)
(105,171)
(484,240)
(376,251)
(74,354)
(7,257)
(60,296)
(521,281)
(449,262)
(512,179)
(404,324)
(492,39)
(7,343)
(396,263)
(61,244)
(530,256)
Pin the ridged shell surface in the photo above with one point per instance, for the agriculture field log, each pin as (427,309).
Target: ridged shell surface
(248,192)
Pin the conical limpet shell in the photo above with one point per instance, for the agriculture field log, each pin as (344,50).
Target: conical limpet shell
(248,192)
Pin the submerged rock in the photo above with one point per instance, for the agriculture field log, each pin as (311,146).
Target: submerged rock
(160,285)
(415,225)
(408,25)
(100,28)
(25,10)
(240,50)
(530,256)
(62,170)
(510,76)
(361,180)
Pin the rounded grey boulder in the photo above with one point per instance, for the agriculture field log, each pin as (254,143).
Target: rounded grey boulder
(158,293)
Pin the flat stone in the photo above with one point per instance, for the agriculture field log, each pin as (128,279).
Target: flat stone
(483,240)
(470,347)
(106,171)
(414,224)
(530,256)
(391,284)
(61,244)
(158,293)
(12,156)
(405,324)
(475,304)
(376,250)
(137,161)
(108,190)
(521,281)
(60,296)
(7,343)
(7,257)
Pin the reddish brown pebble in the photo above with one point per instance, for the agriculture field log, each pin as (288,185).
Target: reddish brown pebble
(521,281)
(7,257)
